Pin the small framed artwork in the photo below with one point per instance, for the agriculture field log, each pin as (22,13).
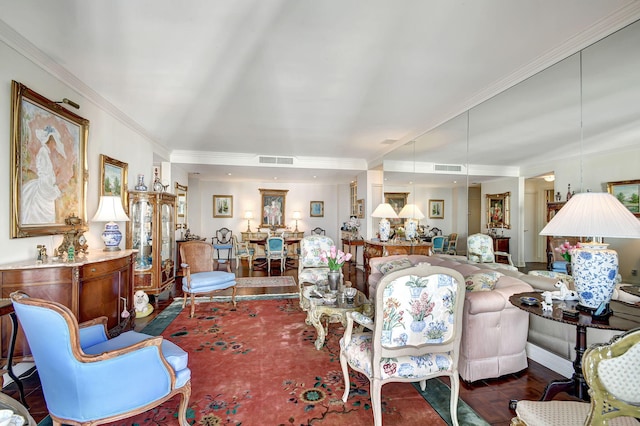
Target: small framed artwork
(316,209)
(48,165)
(436,209)
(273,207)
(223,206)
(499,210)
(628,193)
(181,206)
(113,178)
(360,209)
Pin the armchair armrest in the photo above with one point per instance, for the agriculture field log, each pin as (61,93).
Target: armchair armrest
(93,332)
(504,254)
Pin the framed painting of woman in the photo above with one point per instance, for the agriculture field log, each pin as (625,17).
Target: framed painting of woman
(273,207)
(48,165)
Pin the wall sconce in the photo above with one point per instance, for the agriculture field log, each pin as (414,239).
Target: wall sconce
(384,211)
(296,216)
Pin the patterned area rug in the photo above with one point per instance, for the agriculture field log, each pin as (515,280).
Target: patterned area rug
(285,281)
(257,365)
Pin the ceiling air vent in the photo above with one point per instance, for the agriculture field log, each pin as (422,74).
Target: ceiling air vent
(447,168)
(275,160)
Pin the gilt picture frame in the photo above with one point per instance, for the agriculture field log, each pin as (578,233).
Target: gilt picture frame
(181,206)
(498,210)
(397,200)
(436,209)
(628,193)
(223,206)
(316,208)
(273,207)
(48,165)
(113,178)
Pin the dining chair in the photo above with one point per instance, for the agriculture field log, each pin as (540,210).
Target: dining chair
(318,231)
(452,242)
(275,249)
(200,274)
(223,240)
(437,244)
(243,251)
(612,372)
(414,336)
(88,378)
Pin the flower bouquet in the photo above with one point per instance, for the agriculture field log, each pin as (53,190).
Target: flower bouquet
(335,258)
(565,249)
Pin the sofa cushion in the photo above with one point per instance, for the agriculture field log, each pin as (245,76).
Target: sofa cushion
(394,265)
(482,281)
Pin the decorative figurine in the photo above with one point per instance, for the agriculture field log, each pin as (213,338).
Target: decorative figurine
(141,303)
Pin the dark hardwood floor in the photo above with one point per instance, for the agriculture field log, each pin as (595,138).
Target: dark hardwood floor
(489,398)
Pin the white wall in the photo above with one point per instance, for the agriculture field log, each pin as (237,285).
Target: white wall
(107,135)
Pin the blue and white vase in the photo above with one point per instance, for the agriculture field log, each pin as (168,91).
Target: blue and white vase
(594,271)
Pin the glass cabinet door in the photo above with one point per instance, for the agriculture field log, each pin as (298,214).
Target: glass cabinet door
(142,228)
(167,227)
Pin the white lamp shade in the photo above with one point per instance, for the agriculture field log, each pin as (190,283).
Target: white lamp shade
(411,211)
(384,210)
(248,214)
(593,214)
(110,210)
(297,215)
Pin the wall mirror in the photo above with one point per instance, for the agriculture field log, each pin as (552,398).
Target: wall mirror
(181,207)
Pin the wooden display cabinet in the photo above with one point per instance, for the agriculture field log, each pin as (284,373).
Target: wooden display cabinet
(151,231)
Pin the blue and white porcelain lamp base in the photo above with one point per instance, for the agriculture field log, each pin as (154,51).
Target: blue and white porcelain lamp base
(384,229)
(594,269)
(111,237)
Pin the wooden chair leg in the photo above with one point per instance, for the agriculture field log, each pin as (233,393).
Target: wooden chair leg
(233,296)
(193,305)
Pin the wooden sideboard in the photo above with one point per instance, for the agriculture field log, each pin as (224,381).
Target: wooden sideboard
(501,244)
(99,284)
(389,248)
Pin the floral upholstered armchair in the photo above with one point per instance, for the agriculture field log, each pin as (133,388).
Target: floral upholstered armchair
(414,336)
(480,250)
(311,268)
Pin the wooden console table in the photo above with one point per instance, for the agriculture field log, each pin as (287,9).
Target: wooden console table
(389,248)
(99,284)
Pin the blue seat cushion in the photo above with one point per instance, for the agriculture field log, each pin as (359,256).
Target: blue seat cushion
(209,281)
(223,246)
(176,357)
(559,266)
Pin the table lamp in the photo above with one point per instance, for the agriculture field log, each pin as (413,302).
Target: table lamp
(110,210)
(296,216)
(248,215)
(594,267)
(384,211)
(412,213)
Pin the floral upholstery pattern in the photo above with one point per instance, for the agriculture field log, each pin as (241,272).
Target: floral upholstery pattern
(482,281)
(394,265)
(415,333)
(311,268)
(480,248)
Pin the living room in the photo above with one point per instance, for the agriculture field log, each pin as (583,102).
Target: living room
(568,102)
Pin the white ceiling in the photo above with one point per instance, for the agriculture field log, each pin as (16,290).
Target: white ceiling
(331,83)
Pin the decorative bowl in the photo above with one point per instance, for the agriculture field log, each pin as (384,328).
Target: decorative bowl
(5,417)
(350,291)
(330,298)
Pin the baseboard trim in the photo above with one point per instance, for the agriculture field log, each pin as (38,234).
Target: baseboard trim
(550,360)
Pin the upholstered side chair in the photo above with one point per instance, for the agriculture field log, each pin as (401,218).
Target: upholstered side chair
(200,274)
(452,244)
(415,334)
(480,250)
(612,371)
(275,249)
(311,268)
(437,244)
(243,251)
(318,231)
(89,379)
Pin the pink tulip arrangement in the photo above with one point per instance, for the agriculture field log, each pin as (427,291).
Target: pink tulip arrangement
(335,258)
(565,249)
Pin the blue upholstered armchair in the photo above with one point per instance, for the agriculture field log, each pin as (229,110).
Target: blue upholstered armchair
(88,378)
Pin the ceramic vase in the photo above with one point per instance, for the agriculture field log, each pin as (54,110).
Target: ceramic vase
(141,186)
(594,269)
(384,229)
(333,278)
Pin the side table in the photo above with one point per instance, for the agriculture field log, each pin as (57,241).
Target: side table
(625,316)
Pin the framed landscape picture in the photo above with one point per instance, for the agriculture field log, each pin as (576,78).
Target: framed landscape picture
(436,209)
(223,206)
(113,178)
(628,193)
(316,209)
(48,165)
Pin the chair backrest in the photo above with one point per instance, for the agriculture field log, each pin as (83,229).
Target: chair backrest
(437,244)
(612,372)
(223,236)
(311,247)
(480,248)
(418,311)
(240,247)
(318,231)
(453,240)
(275,245)
(198,255)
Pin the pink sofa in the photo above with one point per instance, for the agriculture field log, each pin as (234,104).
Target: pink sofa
(494,331)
